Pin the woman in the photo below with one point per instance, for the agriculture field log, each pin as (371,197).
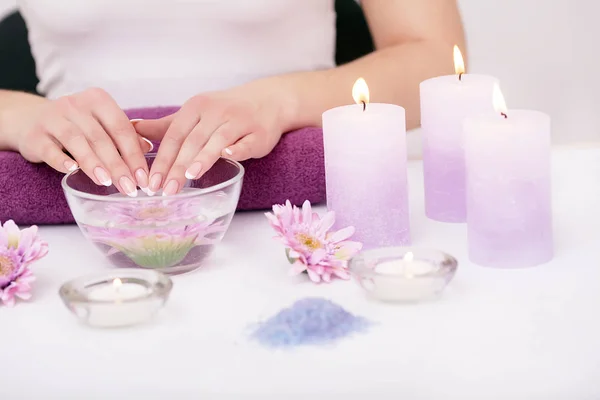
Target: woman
(245,72)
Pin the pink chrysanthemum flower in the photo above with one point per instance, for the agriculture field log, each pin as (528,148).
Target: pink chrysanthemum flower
(153,213)
(310,245)
(18,249)
(157,247)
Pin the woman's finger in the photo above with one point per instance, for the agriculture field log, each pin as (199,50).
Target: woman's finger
(153,129)
(72,138)
(53,155)
(182,124)
(186,164)
(122,133)
(146,145)
(243,149)
(224,136)
(105,149)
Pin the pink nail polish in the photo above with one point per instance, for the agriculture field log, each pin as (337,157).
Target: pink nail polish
(142,178)
(171,188)
(193,171)
(228,151)
(128,186)
(70,165)
(155,182)
(102,176)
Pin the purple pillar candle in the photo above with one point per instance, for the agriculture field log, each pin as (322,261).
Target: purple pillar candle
(365,170)
(509,207)
(445,102)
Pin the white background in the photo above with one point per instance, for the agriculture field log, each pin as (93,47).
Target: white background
(526,334)
(544,51)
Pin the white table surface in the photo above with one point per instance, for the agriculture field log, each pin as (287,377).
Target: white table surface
(495,334)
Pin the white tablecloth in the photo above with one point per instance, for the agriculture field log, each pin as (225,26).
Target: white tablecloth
(495,334)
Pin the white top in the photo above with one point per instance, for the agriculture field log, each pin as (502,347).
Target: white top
(530,334)
(157,52)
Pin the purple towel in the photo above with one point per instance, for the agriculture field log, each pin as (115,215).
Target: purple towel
(32,194)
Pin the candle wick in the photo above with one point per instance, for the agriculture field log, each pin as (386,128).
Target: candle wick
(460,76)
(364,105)
(504,115)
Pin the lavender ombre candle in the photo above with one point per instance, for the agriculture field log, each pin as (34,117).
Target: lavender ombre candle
(445,102)
(509,208)
(365,170)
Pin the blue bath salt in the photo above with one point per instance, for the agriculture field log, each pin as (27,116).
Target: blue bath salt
(310,321)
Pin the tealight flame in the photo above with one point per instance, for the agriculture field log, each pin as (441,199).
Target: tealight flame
(459,63)
(409,257)
(498,100)
(360,92)
(117,283)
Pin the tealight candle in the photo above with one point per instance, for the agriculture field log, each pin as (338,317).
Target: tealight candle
(445,102)
(365,169)
(509,210)
(126,297)
(393,274)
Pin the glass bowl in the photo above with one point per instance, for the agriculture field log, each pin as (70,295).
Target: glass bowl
(401,274)
(121,298)
(170,234)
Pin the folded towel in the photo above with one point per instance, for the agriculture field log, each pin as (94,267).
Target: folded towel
(32,194)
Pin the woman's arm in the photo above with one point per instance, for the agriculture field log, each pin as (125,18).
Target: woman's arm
(14,108)
(413,40)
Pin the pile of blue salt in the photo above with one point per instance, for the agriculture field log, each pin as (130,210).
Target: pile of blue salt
(309,321)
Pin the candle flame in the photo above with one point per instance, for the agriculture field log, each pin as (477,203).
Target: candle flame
(498,99)
(117,283)
(459,63)
(360,92)
(408,257)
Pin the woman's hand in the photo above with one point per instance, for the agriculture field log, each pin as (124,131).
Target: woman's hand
(241,123)
(96,133)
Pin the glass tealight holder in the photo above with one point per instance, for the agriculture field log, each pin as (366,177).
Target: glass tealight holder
(119,298)
(400,274)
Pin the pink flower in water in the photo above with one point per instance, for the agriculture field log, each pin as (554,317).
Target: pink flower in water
(18,250)
(157,247)
(310,245)
(154,213)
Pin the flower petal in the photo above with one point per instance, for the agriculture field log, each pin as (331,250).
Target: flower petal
(313,276)
(13,233)
(3,237)
(341,235)
(27,239)
(347,250)
(317,256)
(297,268)
(306,212)
(326,223)
(341,273)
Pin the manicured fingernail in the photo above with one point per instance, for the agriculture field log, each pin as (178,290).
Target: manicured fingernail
(102,176)
(149,143)
(128,186)
(193,171)
(228,151)
(171,188)
(142,178)
(155,182)
(70,165)
(135,121)
(148,192)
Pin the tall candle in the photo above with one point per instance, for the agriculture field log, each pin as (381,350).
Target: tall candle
(365,169)
(509,210)
(445,102)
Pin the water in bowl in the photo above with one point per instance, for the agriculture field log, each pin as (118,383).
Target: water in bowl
(170,235)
